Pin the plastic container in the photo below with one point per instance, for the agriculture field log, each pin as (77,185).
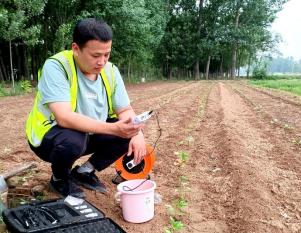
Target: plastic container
(3,194)
(137,200)
(57,216)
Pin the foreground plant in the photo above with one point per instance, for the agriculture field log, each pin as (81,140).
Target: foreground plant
(25,86)
(184,179)
(175,225)
(181,203)
(297,141)
(176,209)
(182,157)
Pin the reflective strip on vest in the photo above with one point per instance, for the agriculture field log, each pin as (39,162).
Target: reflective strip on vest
(41,120)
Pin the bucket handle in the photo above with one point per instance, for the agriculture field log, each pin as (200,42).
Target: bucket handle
(127,188)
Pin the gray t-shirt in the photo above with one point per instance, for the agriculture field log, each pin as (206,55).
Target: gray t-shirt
(91,97)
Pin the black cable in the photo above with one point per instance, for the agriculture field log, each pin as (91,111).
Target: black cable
(154,147)
(48,215)
(132,189)
(126,188)
(160,132)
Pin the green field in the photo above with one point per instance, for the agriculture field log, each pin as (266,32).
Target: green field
(290,85)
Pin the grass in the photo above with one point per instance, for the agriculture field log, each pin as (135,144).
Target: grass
(21,87)
(290,85)
(2,90)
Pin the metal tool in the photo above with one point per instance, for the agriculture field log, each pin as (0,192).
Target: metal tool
(15,171)
(5,176)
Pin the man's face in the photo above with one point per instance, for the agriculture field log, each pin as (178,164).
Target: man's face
(93,56)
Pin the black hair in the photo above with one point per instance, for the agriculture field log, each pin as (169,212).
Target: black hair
(91,29)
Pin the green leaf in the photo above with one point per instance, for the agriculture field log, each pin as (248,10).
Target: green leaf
(181,203)
(176,225)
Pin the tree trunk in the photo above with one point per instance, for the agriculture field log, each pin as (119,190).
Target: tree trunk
(197,70)
(197,62)
(11,66)
(239,62)
(3,71)
(169,72)
(221,69)
(208,66)
(34,63)
(129,70)
(25,62)
(18,52)
(249,65)
(233,68)
(234,47)
(1,75)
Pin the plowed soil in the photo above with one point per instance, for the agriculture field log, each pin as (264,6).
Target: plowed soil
(244,146)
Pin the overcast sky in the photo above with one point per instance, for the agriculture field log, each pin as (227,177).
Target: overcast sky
(287,25)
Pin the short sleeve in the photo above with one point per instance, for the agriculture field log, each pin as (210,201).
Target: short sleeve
(120,98)
(53,84)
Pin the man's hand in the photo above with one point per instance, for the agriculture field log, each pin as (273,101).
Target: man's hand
(126,129)
(137,145)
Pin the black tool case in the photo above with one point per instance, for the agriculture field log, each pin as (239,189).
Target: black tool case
(58,216)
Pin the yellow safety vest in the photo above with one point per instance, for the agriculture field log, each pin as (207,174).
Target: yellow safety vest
(41,119)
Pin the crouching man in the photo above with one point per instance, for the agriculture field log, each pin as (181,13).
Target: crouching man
(82,108)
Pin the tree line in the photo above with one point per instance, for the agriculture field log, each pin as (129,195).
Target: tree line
(284,65)
(152,38)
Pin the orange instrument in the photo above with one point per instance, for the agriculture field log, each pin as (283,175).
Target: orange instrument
(128,171)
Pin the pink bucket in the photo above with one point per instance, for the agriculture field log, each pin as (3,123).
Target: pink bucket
(137,203)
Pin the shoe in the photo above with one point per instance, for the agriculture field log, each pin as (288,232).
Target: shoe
(88,180)
(66,187)
(118,179)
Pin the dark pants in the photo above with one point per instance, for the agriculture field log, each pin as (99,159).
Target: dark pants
(62,147)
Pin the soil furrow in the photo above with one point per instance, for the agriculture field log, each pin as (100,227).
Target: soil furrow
(285,113)
(239,192)
(155,91)
(276,94)
(280,135)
